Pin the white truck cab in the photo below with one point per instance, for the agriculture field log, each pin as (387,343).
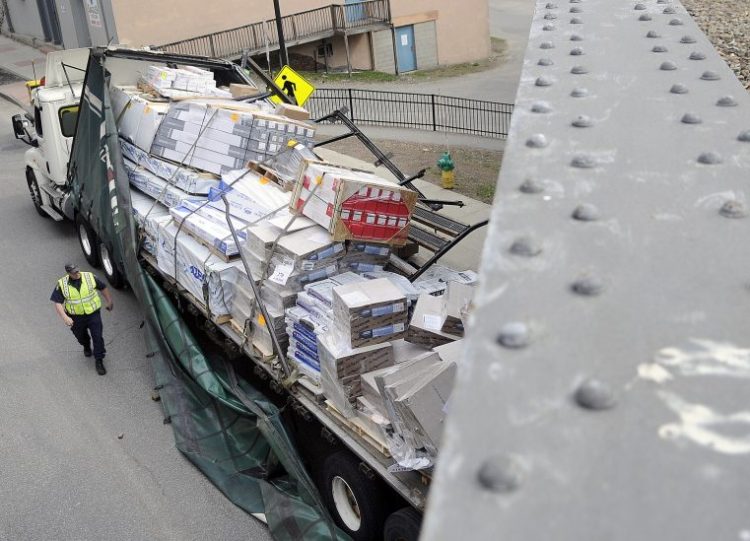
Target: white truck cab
(49,129)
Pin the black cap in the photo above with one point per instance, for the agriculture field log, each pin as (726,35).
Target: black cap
(71,267)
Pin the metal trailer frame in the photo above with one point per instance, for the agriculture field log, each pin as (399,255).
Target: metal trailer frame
(604,388)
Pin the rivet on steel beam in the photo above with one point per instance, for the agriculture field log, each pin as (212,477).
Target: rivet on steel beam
(582,121)
(551,6)
(547,45)
(538,140)
(645,17)
(696,55)
(727,101)
(579,93)
(514,335)
(500,474)
(733,209)
(543,81)
(669,10)
(525,247)
(653,34)
(531,186)
(710,76)
(548,27)
(550,16)
(587,285)
(668,66)
(639,7)
(575,1)
(662,1)
(594,394)
(541,107)
(583,161)
(691,118)
(678,89)
(576,9)
(709,158)
(578,70)
(576,37)
(545,62)
(744,136)
(660,49)
(586,212)
(576,20)
(576,51)
(675,22)
(687,39)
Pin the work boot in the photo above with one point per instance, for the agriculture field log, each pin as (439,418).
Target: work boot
(100,367)
(87,352)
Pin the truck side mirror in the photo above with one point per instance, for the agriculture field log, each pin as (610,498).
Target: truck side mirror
(21,131)
(18,126)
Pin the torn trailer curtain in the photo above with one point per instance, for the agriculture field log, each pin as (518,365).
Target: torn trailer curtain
(224,426)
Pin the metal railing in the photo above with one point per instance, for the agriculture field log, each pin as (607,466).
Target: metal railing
(410,110)
(302,27)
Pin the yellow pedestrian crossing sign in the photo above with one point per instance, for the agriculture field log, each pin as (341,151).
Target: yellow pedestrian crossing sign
(294,85)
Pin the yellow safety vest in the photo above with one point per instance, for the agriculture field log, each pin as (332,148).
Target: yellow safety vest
(80,302)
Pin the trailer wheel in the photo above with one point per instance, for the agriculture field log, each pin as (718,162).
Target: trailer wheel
(113,275)
(36,194)
(356,502)
(403,525)
(88,241)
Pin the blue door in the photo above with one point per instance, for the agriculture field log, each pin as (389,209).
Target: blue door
(405,51)
(354,12)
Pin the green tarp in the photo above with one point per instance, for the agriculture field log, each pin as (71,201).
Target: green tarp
(224,426)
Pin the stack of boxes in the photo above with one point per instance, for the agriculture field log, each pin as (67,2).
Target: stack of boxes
(290,262)
(367,316)
(222,137)
(365,257)
(185,82)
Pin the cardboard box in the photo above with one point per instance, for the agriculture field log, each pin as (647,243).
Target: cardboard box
(292,111)
(455,307)
(308,248)
(354,205)
(367,313)
(157,188)
(341,368)
(138,119)
(243,91)
(426,323)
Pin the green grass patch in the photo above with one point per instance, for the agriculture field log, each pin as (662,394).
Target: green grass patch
(358,76)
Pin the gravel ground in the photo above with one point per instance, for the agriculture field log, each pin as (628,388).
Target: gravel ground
(727,25)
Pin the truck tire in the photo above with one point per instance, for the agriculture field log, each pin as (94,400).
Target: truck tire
(111,272)
(356,502)
(36,194)
(88,240)
(403,525)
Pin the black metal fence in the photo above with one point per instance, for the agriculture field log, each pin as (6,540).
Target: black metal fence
(410,110)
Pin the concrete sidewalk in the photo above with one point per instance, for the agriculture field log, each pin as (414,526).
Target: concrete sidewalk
(27,63)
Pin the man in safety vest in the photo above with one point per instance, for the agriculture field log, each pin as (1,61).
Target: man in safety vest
(77,303)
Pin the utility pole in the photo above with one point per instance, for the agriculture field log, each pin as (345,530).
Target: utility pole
(280,31)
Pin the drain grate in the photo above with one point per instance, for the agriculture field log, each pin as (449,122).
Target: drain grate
(7,77)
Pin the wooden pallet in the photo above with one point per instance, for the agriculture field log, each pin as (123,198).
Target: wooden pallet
(259,349)
(271,175)
(355,425)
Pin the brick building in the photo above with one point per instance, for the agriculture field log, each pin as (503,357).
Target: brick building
(385,35)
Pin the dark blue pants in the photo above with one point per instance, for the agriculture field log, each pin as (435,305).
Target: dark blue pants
(83,325)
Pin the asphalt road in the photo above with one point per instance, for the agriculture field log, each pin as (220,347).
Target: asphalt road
(64,474)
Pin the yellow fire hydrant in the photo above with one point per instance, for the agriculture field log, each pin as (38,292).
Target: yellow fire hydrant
(448,176)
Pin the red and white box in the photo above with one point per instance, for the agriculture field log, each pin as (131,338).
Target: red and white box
(353,204)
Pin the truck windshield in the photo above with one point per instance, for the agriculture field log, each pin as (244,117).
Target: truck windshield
(68,120)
